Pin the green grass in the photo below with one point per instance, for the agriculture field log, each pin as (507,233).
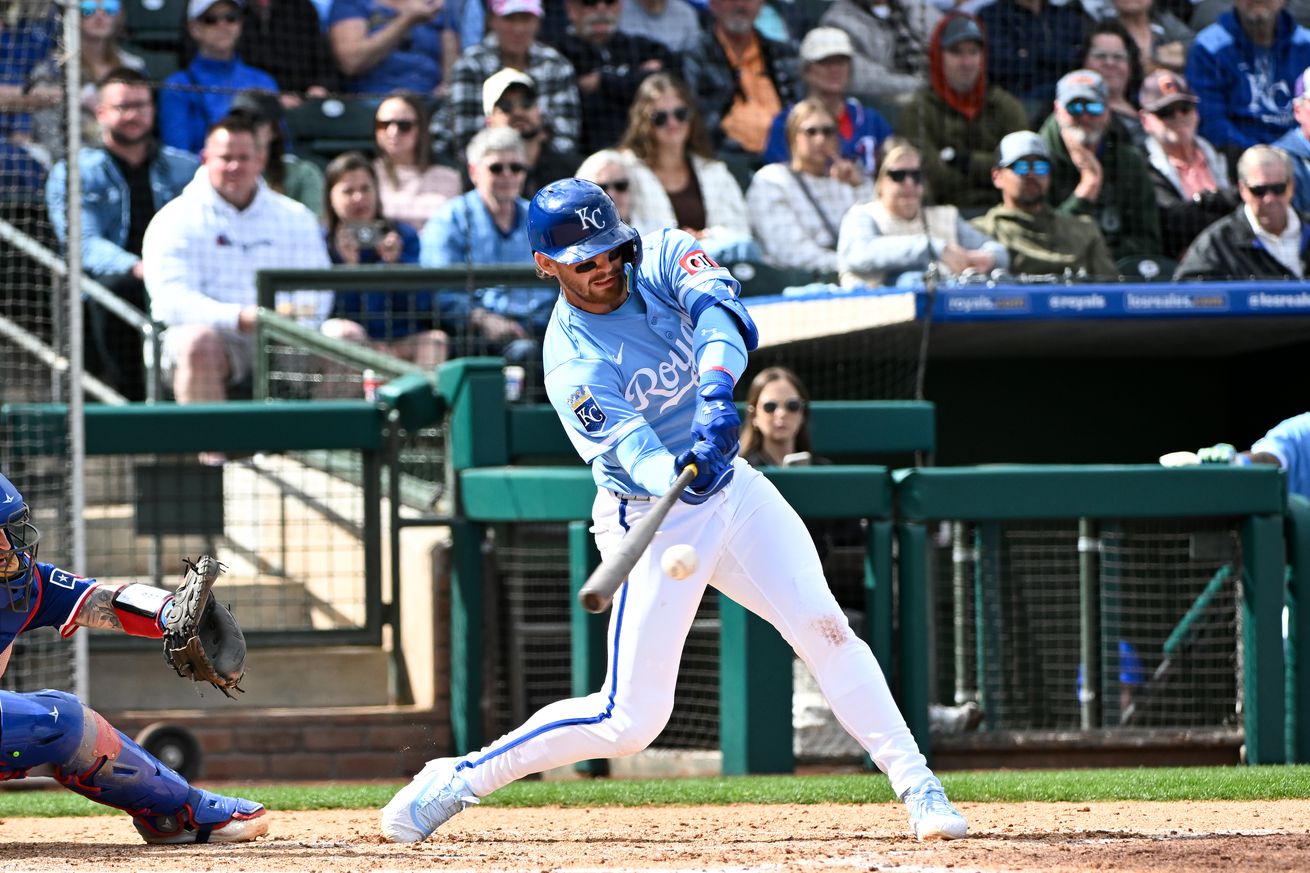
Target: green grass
(1074,786)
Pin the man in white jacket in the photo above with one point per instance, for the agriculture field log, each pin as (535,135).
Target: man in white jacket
(201,253)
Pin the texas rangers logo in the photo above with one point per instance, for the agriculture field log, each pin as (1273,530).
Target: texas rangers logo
(694,262)
(590,218)
(587,410)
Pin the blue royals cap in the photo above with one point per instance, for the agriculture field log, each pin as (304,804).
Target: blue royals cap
(573,220)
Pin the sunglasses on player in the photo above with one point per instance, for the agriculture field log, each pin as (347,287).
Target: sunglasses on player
(792,404)
(627,251)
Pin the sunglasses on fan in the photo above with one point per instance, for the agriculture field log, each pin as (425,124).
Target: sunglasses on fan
(660,117)
(793,404)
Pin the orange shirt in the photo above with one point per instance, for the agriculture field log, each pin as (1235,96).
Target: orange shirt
(754,108)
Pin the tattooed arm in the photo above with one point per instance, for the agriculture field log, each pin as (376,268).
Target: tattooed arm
(137,610)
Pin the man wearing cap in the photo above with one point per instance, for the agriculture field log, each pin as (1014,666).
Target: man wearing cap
(1296,142)
(958,118)
(671,22)
(740,77)
(609,64)
(1039,239)
(890,41)
(1244,68)
(195,97)
(1190,175)
(826,71)
(1264,238)
(1096,170)
(126,178)
(512,41)
(509,99)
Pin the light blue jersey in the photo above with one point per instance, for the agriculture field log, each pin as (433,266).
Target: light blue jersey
(633,370)
(1289,442)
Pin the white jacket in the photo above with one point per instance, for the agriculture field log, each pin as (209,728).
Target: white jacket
(200,255)
(725,207)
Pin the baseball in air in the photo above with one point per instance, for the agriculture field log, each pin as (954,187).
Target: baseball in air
(679,562)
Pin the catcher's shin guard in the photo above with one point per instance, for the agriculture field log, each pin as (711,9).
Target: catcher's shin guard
(99,762)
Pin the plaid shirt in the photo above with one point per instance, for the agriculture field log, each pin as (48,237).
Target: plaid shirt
(557,93)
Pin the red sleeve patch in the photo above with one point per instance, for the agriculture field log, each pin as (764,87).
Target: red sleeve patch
(694,262)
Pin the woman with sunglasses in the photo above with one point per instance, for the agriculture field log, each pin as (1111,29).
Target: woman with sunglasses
(796,208)
(677,181)
(411,186)
(100,23)
(894,238)
(358,232)
(195,97)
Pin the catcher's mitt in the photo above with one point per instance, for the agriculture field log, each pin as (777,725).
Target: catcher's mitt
(202,641)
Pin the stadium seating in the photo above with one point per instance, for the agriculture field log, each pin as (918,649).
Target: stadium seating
(321,129)
(155,24)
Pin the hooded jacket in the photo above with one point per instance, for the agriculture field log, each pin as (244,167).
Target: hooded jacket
(958,151)
(1246,90)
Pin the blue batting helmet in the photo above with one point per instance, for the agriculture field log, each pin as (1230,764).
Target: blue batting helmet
(573,220)
(18,543)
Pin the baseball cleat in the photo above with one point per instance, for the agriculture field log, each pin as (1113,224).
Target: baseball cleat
(932,817)
(431,799)
(206,818)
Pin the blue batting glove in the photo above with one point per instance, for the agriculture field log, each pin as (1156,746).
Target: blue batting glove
(713,472)
(716,419)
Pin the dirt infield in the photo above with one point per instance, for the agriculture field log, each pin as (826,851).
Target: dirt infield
(1156,837)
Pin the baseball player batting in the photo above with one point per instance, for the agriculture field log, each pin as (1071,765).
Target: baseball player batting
(644,347)
(89,756)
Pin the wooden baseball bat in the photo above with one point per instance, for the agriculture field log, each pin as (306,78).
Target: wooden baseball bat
(599,589)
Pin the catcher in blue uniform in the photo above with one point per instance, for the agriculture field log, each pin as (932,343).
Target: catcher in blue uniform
(88,754)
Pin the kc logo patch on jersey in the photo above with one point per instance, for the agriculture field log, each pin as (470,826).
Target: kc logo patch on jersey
(694,262)
(587,410)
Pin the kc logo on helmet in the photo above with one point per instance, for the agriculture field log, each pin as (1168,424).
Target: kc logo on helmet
(589,217)
(694,262)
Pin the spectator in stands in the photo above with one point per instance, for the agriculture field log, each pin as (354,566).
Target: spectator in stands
(890,38)
(671,22)
(796,208)
(1296,142)
(412,187)
(1031,44)
(1162,39)
(201,252)
(608,170)
(509,99)
(29,34)
(1096,171)
(512,42)
(1039,239)
(1110,51)
(1190,175)
(126,178)
(99,26)
(958,119)
(1264,238)
(285,39)
(285,173)
(740,78)
(489,226)
(195,97)
(358,232)
(609,65)
(895,238)
(1244,69)
(826,54)
(677,181)
(388,45)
